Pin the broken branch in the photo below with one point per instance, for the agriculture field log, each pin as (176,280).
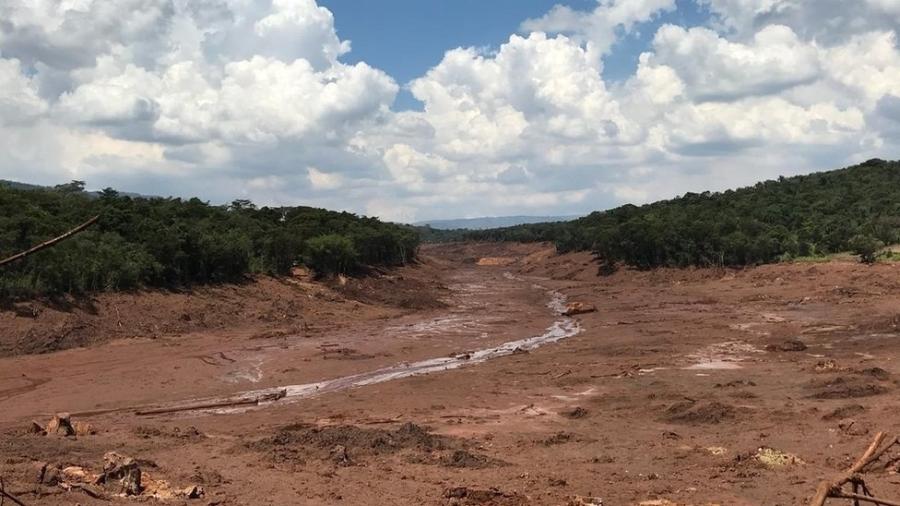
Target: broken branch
(6,495)
(51,242)
(832,489)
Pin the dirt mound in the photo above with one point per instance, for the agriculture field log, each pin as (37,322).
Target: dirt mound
(412,287)
(702,413)
(466,460)
(346,444)
(845,387)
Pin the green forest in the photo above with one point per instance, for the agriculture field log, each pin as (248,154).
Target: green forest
(172,243)
(855,209)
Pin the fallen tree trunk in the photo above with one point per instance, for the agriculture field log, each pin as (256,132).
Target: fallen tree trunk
(51,242)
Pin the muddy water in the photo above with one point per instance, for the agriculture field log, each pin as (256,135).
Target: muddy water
(562,328)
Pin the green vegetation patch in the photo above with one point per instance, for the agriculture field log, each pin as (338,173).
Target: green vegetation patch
(174,243)
(855,209)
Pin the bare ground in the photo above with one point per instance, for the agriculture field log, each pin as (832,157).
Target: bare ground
(672,391)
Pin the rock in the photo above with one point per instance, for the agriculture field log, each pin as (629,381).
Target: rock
(60,425)
(37,428)
(83,429)
(192,492)
(121,471)
(772,458)
(574,308)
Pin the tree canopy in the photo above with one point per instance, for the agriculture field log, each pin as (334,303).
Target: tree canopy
(852,209)
(169,242)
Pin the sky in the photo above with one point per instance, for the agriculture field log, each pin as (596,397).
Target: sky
(413,110)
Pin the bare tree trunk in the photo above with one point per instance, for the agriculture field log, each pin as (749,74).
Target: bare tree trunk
(51,242)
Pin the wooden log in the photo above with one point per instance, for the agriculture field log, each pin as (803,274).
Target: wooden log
(224,403)
(51,242)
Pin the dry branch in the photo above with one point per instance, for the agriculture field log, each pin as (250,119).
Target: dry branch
(833,489)
(51,242)
(6,495)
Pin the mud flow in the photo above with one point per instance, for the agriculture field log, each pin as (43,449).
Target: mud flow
(487,374)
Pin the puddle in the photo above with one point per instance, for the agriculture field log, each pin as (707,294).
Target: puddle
(560,329)
(721,356)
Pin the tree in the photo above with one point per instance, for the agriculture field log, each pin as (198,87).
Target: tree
(866,247)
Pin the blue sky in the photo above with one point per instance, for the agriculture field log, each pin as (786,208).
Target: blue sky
(407,37)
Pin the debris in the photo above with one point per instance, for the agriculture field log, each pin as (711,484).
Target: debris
(789,345)
(577,412)
(852,428)
(844,387)
(121,476)
(585,501)
(466,495)
(828,365)
(122,470)
(835,488)
(6,495)
(340,456)
(213,404)
(772,458)
(575,308)
(717,450)
(60,425)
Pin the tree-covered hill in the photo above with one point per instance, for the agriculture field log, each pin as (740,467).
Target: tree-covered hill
(174,243)
(852,209)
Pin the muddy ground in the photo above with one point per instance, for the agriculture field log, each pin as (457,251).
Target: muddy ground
(685,387)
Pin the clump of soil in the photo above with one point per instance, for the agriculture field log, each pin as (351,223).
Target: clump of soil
(345,444)
(788,345)
(467,460)
(189,433)
(487,497)
(558,439)
(694,413)
(843,387)
(875,372)
(577,412)
(736,384)
(844,412)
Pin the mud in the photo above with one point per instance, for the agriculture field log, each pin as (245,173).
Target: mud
(426,385)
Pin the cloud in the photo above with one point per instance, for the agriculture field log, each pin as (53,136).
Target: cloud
(19,100)
(598,29)
(714,68)
(253,99)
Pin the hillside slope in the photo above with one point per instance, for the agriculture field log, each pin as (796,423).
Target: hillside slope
(856,208)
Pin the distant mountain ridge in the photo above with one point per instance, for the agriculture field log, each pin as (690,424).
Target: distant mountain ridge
(491,222)
(91,194)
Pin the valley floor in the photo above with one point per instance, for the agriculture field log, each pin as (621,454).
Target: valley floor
(674,392)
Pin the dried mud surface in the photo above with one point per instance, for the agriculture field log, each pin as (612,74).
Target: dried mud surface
(672,390)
